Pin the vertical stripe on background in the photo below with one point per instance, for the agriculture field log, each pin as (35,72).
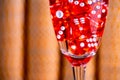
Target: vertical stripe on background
(43,56)
(11,39)
(67,73)
(91,69)
(110,49)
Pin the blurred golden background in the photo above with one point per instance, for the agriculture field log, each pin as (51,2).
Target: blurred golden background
(29,50)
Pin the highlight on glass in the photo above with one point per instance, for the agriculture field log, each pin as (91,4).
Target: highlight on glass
(79,26)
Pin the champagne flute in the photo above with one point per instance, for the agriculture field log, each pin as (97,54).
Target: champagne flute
(79,26)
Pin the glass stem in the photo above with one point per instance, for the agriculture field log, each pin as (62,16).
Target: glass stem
(79,72)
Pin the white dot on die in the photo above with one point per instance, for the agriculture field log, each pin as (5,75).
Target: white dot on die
(81,28)
(94,35)
(89,45)
(82,36)
(94,0)
(76,2)
(63,28)
(103,10)
(99,16)
(76,21)
(90,2)
(82,44)
(82,4)
(73,47)
(60,32)
(92,45)
(96,44)
(93,12)
(94,39)
(70,1)
(87,40)
(91,40)
(82,20)
(59,14)
(58,36)
(98,7)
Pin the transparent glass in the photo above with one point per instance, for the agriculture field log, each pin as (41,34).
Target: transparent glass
(79,26)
